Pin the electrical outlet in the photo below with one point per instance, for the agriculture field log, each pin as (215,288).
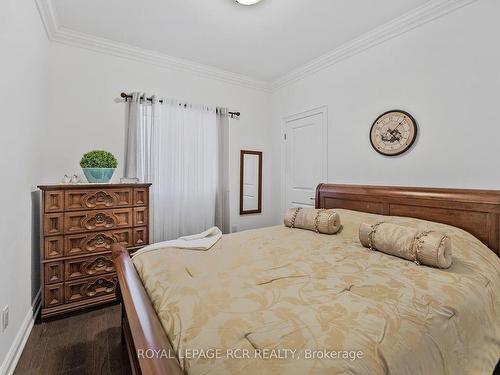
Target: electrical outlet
(5,318)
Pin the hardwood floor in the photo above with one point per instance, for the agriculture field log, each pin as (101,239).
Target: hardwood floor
(88,343)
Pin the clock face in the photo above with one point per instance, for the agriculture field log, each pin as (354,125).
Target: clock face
(393,133)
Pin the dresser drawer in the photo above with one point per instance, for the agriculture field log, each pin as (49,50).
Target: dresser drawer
(53,224)
(53,295)
(53,201)
(87,221)
(141,236)
(90,266)
(87,289)
(88,243)
(77,200)
(53,272)
(141,196)
(53,247)
(141,216)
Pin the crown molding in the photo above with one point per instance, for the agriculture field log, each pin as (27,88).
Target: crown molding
(106,46)
(419,16)
(59,34)
(48,16)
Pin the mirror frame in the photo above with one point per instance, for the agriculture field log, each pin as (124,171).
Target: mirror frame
(242,171)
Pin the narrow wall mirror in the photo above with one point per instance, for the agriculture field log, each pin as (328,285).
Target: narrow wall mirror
(250,182)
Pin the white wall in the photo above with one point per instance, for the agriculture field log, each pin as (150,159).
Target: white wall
(23,85)
(84,116)
(446,73)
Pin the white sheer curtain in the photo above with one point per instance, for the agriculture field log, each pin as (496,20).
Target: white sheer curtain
(222,211)
(182,150)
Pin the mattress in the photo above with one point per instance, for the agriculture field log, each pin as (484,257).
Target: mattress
(279,300)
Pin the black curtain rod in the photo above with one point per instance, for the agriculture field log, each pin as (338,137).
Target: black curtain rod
(126,96)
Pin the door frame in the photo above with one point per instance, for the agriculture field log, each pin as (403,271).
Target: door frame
(323,110)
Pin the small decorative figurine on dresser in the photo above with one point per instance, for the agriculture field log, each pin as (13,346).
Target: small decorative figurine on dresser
(79,224)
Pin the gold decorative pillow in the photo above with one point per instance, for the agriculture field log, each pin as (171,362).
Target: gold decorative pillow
(431,248)
(320,221)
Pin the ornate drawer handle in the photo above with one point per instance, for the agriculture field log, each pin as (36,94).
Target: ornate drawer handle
(100,240)
(98,264)
(100,286)
(101,197)
(101,219)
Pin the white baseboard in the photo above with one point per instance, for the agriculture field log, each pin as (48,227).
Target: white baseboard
(10,361)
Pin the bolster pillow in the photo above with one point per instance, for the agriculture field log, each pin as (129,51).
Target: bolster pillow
(320,221)
(431,248)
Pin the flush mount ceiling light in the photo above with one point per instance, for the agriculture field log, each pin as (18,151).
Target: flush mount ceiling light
(248,2)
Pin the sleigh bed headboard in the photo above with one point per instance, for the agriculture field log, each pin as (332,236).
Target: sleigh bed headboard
(476,211)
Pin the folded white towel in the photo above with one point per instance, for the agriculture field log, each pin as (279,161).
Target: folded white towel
(201,241)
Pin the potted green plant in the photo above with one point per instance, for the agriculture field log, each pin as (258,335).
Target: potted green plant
(98,166)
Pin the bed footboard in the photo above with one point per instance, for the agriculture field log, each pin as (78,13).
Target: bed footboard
(148,346)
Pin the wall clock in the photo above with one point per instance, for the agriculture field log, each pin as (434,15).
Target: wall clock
(393,132)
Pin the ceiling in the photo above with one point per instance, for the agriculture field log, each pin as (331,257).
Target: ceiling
(264,41)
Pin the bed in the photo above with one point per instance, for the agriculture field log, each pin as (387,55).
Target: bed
(281,300)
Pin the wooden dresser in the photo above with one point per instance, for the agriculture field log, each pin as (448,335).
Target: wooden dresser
(79,224)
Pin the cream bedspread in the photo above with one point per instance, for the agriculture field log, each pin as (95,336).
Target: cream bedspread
(281,288)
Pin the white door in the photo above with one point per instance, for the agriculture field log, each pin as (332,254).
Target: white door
(306,157)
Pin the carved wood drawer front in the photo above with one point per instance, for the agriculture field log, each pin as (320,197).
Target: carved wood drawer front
(88,243)
(53,224)
(90,266)
(53,295)
(76,222)
(97,199)
(53,247)
(54,272)
(53,200)
(89,288)
(140,197)
(140,216)
(141,236)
